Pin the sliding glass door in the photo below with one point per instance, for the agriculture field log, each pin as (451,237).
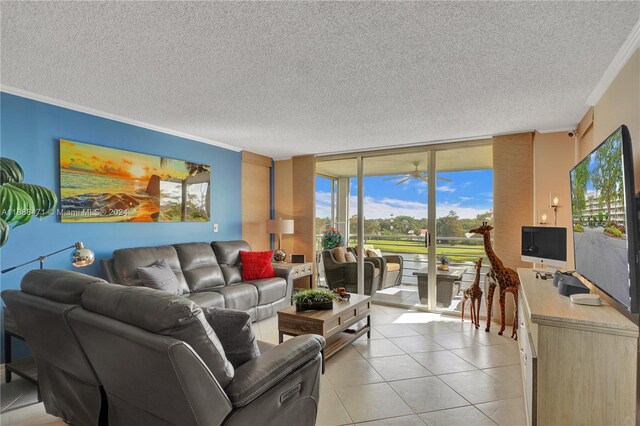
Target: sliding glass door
(396,225)
(414,207)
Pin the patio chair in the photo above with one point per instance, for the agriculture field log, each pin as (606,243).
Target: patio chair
(391,266)
(345,274)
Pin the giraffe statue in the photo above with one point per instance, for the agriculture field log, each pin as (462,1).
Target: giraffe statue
(474,295)
(506,278)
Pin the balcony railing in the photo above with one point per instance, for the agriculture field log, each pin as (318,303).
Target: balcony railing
(461,250)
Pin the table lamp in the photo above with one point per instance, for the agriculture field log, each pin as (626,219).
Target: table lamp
(280,226)
(80,257)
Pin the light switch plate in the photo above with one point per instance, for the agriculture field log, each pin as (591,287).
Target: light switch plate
(215,227)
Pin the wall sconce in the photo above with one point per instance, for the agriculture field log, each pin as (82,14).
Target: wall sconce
(554,203)
(543,217)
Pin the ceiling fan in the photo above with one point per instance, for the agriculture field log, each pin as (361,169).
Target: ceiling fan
(416,174)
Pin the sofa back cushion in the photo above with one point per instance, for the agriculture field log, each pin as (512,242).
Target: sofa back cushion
(339,254)
(126,262)
(59,285)
(162,313)
(228,255)
(199,266)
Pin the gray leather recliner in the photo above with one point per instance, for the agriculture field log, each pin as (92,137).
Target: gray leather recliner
(69,387)
(159,361)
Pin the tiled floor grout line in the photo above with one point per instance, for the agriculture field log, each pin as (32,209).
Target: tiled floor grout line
(340,401)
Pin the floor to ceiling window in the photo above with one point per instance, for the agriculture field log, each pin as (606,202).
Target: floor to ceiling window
(418,220)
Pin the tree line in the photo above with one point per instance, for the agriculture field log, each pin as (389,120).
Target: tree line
(450,225)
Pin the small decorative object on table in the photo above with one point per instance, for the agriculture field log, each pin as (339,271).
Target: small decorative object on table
(444,262)
(342,293)
(309,300)
(331,239)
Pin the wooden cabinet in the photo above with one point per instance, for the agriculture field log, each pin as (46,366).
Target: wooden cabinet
(578,362)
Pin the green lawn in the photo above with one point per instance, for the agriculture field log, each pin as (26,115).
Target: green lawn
(457,253)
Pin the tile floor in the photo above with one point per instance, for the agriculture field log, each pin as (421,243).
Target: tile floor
(418,368)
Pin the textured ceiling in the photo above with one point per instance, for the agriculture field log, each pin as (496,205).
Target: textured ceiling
(289,78)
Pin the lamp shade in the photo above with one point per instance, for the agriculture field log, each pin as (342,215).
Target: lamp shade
(280,226)
(82,256)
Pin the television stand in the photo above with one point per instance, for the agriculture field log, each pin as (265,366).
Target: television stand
(578,362)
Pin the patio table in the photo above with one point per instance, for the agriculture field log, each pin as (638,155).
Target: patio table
(447,284)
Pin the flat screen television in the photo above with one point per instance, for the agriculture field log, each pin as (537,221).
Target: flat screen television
(605,219)
(546,245)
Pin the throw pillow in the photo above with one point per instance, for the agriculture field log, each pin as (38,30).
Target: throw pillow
(233,328)
(160,277)
(256,265)
(350,257)
(339,254)
(374,253)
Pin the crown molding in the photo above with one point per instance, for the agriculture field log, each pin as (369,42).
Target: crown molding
(619,61)
(80,108)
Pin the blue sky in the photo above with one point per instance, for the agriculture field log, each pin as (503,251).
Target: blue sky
(468,193)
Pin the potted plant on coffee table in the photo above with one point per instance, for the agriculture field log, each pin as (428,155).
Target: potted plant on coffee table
(444,263)
(308,300)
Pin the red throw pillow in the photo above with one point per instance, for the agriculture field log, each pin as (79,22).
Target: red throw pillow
(256,265)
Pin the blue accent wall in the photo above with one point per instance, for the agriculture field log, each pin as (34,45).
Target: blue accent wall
(30,133)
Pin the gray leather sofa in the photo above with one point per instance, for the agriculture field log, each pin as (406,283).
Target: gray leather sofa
(154,359)
(210,275)
(68,384)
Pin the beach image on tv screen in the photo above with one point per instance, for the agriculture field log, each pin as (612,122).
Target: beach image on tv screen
(599,227)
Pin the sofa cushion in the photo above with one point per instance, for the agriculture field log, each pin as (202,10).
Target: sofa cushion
(162,313)
(199,266)
(350,257)
(58,285)
(206,299)
(126,263)
(228,255)
(234,330)
(339,254)
(270,289)
(239,296)
(159,276)
(392,267)
(256,265)
(374,253)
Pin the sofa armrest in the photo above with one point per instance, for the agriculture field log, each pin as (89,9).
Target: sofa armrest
(286,274)
(255,377)
(392,258)
(378,262)
(109,271)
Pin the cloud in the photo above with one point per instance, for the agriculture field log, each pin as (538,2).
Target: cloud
(445,188)
(323,204)
(386,207)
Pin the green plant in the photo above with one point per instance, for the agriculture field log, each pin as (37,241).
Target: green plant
(613,231)
(578,227)
(314,296)
(444,260)
(331,239)
(19,201)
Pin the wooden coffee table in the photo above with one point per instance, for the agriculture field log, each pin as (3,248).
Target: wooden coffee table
(340,326)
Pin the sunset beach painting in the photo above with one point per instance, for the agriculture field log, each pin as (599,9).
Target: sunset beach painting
(100,184)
